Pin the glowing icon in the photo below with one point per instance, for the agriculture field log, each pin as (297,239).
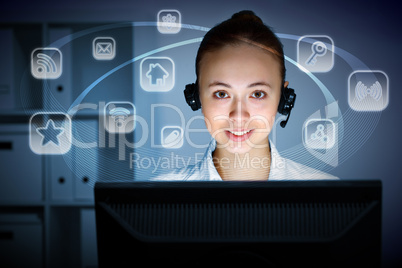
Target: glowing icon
(46,63)
(368,91)
(375,91)
(172,137)
(319,134)
(169,21)
(50,133)
(319,49)
(157,74)
(104,48)
(315,53)
(119,117)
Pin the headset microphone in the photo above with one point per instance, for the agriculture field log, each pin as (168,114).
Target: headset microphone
(284,122)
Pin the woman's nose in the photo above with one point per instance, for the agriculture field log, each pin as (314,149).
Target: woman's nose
(239,113)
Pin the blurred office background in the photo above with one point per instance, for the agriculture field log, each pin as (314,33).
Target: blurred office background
(47,214)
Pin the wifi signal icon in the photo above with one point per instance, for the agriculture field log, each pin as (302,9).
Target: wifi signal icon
(46,63)
(119,117)
(368,90)
(362,91)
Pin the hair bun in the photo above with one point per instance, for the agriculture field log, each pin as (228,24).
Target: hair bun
(246,15)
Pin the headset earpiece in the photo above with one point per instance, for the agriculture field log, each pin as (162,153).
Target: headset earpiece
(286,103)
(192,96)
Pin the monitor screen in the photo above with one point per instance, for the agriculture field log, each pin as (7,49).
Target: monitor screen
(258,224)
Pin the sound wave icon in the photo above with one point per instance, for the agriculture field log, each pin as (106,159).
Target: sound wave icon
(375,91)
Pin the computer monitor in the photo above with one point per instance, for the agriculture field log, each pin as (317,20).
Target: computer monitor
(232,224)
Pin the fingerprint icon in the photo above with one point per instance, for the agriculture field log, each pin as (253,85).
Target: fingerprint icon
(46,63)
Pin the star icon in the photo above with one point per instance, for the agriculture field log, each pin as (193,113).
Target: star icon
(50,133)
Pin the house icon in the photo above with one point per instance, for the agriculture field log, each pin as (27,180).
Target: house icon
(157,75)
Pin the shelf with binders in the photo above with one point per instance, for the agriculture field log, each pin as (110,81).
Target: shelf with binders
(19,91)
(17,226)
(90,78)
(49,67)
(52,195)
(71,237)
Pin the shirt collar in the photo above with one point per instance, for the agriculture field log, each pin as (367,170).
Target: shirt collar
(208,164)
(209,171)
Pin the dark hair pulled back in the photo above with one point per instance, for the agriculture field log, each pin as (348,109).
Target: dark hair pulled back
(243,26)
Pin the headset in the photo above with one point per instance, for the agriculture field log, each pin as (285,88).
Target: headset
(286,103)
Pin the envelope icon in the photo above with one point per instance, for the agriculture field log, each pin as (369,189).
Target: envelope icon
(104,48)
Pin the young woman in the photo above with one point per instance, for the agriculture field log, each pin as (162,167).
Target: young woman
(240,79)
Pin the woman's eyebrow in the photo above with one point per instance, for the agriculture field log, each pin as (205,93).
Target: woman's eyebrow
(256,84)
(218,83)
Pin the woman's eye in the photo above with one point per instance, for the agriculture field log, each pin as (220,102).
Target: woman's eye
(221,94)
(258,94)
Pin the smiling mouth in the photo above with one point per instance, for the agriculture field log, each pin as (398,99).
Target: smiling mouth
(239,135)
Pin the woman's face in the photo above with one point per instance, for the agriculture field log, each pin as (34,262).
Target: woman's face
(240,88)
